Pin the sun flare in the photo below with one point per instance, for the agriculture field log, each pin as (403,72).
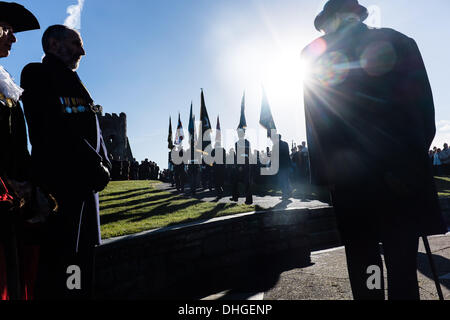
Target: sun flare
(279,70)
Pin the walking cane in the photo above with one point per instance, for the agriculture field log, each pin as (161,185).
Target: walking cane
(433,268)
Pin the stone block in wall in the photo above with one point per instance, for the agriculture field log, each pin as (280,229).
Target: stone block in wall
(322,240)
(200,234)
(242,242)
(299,242)
(445,207)
(274,219)
(271,235)
(322,225)
(184,255)
(215,245)
(168,258)
(275,247)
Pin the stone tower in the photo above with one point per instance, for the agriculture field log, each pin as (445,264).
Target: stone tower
(114,129)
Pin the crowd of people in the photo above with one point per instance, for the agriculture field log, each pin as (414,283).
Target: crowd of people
(293,168)
(440,158)
(123,170)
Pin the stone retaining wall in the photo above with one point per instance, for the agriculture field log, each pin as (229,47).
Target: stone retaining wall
(445,206)
(222,253)
(227,252)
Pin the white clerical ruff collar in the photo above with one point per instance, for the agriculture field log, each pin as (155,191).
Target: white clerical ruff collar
(8,87)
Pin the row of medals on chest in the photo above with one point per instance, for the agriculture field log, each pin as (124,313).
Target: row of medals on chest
(71,105)
(77,105)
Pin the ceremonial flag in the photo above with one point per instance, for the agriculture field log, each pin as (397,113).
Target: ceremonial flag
(180,133)
(243,122)
(206,124)
(191,125)
(218,133)
(170,138)
(266,119)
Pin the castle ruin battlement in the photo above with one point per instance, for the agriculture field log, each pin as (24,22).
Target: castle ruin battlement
(114,130)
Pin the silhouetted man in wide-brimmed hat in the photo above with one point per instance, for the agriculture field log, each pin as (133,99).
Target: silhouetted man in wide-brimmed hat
(368,105)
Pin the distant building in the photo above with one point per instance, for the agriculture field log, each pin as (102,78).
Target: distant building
(114,129)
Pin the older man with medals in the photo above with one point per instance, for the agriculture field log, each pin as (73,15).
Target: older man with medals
(70,161)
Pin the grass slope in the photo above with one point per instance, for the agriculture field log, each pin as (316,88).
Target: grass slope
(128,207)
(443,186)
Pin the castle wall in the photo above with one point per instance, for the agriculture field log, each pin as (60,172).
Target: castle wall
(114,130)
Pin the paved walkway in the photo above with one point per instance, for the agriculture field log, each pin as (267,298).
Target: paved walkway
(326,278)
(272,202)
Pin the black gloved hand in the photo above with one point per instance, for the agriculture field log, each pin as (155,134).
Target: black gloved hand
(102,178)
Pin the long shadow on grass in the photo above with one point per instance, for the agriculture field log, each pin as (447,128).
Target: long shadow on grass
(162,209)
(131,195)
(206,215)
(442,184)
(300,192)
(137,202)
(112,194)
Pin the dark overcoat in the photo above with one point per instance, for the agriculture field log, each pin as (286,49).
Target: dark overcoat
(15,165)
(67,146)
(14,156)
(370,122)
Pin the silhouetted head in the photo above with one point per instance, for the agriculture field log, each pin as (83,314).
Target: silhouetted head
(13,18)
(7,38)
(278,137)
(64,43)
(335,12)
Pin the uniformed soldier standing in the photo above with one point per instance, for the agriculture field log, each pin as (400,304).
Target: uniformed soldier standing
(242,169)
(193,170)
(70,160)
(219,154)
(125,170)
(116,171)
(134,170)
(180,174)
(284,166)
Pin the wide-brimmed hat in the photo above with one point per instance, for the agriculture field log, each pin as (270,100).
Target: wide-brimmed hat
(335,6)
(18,17)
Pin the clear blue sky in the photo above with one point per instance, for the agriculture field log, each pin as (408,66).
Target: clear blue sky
(150,58)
